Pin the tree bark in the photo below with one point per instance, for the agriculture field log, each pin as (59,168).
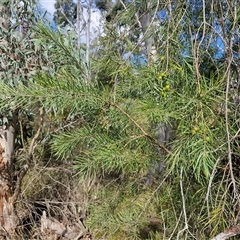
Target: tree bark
(145,18)
(7,215)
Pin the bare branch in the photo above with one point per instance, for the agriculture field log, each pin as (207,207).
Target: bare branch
(233,231)
(183,206)
(70,23)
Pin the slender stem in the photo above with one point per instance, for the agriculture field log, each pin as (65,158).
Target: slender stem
(147,135)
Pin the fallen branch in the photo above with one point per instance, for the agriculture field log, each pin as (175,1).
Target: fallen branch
(233,231)
(61,230)
(52,224)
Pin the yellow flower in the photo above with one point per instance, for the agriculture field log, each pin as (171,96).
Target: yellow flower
(196,128)
(162,75)
(166,88)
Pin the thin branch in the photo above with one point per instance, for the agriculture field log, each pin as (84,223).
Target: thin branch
(176,226)
(70,23)
(123,4)
(21,134)
(183,206)
(147,135)
(228,72)
(19,183)
(210,185)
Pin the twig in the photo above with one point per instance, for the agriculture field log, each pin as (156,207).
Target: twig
(175,228)
(210,184)
(147,135)
(228,72)
(71,24)
(123,4)
(183,206)
(21,134)
(19,183)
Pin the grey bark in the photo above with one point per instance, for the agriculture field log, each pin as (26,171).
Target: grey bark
(162,132)
(162,129)
(145,18)
(7,216)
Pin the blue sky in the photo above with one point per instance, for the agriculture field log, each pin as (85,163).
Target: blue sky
(48,5)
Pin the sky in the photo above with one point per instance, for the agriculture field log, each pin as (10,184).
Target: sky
(48,5)
(96,23)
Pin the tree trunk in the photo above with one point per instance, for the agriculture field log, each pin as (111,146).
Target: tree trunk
(146,20)
(7,216)
(7,138)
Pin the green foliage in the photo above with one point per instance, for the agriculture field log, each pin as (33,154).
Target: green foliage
(60,45)
(108,127)
(19,57)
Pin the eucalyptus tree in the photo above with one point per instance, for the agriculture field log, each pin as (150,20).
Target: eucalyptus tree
(19,59)
(7,132)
